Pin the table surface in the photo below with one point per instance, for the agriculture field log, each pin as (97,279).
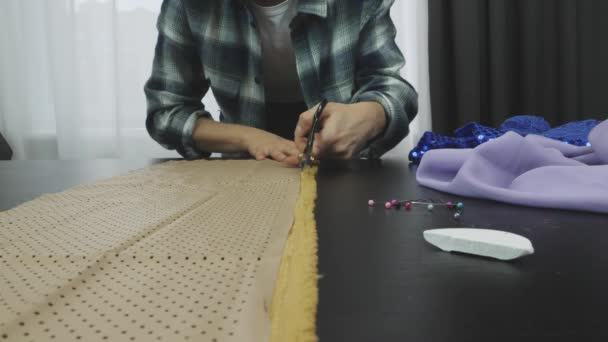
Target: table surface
(382,282)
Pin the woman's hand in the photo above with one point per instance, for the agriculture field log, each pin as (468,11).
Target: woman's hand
(345,129)
(263,145)
(220,137)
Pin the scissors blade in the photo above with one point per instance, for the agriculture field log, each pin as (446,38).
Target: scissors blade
(303,162)
(307,156)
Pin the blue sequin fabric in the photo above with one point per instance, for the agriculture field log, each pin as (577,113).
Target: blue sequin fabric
(474,134)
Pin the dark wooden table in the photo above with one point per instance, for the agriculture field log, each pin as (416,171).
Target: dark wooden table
(382,282)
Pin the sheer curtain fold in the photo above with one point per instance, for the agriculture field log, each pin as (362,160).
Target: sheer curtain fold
(73,72)
(411,17)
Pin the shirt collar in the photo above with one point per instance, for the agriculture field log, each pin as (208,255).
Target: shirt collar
(314,7)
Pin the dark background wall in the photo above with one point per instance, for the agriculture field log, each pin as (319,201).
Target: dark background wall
(492,59)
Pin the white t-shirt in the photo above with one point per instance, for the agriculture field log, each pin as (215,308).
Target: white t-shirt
(281,81)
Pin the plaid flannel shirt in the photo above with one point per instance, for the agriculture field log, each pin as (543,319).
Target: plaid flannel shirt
(345,51)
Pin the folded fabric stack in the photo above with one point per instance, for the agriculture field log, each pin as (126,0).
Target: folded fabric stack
(532,170)
(474,134)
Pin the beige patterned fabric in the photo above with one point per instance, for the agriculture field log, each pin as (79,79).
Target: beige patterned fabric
(182,251)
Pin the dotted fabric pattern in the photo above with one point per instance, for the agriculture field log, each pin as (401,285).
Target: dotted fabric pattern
(176,252)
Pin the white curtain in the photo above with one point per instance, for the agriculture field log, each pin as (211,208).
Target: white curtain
(72,74)
(411,17)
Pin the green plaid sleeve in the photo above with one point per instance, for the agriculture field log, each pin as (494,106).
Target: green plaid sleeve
(177,85)
(378,64)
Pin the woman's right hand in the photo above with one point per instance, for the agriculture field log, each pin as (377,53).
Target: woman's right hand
(211,136)
(264,145)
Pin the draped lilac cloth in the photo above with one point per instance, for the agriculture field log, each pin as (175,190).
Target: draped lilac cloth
(533,171)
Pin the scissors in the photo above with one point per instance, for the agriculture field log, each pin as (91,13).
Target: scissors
(307,158)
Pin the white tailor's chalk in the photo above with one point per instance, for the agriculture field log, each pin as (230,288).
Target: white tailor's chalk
(485,242)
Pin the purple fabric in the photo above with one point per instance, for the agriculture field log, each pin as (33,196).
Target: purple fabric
(533,171)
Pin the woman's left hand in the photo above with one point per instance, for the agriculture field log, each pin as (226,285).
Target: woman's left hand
(345,129)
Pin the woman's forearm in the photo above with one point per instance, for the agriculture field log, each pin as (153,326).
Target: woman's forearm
(212,136)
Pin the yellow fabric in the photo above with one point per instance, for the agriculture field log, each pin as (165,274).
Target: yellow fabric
(294,303)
